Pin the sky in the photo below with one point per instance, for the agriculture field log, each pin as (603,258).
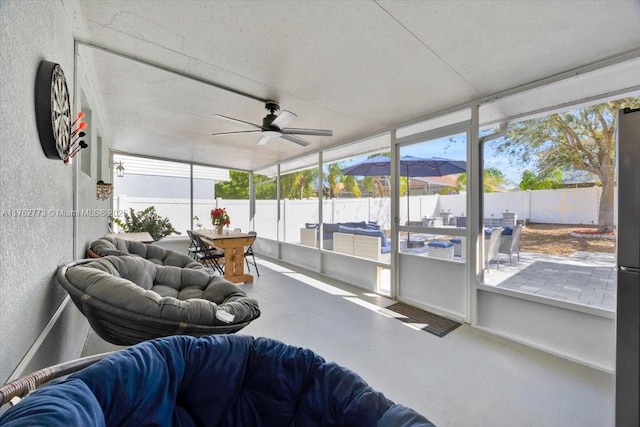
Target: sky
(455,149)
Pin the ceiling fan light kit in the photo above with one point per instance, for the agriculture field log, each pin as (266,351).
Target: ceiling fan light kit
(273,126)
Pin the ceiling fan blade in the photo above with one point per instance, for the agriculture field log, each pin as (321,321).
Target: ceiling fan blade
(233,133)
(295,139)
(298,131)
(263,139)
(231,119)
(283,118)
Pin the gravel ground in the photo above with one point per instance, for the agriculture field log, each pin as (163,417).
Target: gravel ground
(554,239)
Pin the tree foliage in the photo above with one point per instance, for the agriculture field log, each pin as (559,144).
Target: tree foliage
(298,185)
(338,182)
(237,188)
(492,180)
(582,139)
(548,181)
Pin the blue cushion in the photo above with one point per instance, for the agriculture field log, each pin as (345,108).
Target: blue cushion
(373,225)
(487,233)
(440,244)
(328,229)
(507,231)
(344,229)
(360,224)
(374,233)
(226,380)
(61,403)
(456,241)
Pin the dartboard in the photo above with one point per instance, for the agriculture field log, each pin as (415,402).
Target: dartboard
(53,110)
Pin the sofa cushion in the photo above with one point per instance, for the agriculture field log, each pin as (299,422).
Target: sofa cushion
(373,225)
(374,233)
(328,229)
(440,244)
(358,224)
(507,231)
(345,229)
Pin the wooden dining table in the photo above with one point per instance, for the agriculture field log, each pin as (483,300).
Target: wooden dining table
(233,243)
(143,237)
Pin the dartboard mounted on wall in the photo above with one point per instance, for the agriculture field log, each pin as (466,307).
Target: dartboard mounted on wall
(53,111)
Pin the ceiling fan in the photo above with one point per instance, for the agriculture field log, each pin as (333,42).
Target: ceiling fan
(273,126)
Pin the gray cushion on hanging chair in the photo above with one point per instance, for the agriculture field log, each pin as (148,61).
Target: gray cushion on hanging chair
(105,246)
(136,286)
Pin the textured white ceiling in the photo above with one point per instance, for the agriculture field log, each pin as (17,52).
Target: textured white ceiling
(356,67)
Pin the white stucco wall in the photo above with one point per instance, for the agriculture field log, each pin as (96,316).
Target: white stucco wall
(32,247)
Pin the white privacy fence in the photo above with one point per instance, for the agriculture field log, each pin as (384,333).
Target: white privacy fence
(562,206)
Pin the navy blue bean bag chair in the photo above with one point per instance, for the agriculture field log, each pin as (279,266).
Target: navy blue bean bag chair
(221,380)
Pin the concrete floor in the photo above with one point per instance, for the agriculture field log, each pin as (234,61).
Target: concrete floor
(467,378)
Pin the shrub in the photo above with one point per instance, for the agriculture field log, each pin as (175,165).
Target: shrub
(146,220)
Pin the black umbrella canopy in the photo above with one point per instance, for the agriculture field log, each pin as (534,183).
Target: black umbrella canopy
(409,166)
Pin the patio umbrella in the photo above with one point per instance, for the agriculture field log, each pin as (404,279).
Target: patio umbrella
(410,167)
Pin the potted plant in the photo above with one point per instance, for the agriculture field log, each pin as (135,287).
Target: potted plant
(220,218)
(146,220)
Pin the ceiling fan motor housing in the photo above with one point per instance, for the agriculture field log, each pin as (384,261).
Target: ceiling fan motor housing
(267,120)
(272,106)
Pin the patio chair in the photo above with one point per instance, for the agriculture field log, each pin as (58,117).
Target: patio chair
(194,249)
(208,255)
(248,252)
(492,246)
(223,380)
(510,243)
(107,245)
(128,299)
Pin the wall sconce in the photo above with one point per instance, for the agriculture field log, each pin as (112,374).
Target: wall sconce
(119,170)
(103,190)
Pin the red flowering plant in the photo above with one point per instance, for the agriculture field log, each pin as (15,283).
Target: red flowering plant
(219,216)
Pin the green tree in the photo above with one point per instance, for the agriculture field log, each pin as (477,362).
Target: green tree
(531,181)
(492,179)
(266,188)
(298,185)
(334,176)
(375,185)
(582,139)
(339,182)
(237,188)
(351,184)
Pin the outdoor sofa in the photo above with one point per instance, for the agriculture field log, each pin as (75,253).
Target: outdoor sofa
(329,228)
(363,239)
